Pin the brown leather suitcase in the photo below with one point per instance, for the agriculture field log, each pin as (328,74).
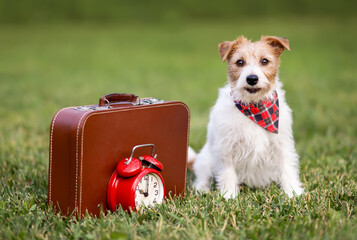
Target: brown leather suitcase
(87,142)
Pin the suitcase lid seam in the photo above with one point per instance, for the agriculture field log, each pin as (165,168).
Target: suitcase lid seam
(51,154)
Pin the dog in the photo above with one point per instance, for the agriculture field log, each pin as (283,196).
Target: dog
(249,134)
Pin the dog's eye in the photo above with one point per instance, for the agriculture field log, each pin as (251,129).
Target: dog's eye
(265,61)
(240,63)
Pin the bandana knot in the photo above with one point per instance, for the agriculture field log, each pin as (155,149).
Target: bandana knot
(265,113)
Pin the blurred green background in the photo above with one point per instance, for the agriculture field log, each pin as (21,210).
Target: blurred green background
(60,53)
(160,10)
(55,54)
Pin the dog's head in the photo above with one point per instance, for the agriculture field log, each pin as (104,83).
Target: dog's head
(253,66)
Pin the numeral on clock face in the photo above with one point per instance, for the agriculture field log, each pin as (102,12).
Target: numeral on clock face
(149,191)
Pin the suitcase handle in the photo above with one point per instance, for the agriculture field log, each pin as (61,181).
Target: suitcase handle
(117,98)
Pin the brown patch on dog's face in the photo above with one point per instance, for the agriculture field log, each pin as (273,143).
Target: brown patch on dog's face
(253,66)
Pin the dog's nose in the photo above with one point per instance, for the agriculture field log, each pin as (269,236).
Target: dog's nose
(252,79)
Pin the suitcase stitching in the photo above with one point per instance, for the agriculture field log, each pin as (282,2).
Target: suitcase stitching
(50,164)
(76,190)
(117,110)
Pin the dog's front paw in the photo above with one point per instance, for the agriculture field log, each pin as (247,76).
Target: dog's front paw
(229,193)
(292,192)
(201,187)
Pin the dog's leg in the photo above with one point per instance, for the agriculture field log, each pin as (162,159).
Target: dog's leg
(289,180)
(203,168)
(228,182)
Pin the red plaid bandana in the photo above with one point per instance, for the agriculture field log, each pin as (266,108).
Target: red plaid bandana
(265,113)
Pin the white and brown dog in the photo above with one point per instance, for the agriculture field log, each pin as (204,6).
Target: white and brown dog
(249,134)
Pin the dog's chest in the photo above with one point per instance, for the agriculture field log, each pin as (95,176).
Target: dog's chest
(249,148)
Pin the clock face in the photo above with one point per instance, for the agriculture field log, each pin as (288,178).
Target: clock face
(149,191)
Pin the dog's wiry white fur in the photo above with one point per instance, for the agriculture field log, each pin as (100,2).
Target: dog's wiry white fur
(240,151)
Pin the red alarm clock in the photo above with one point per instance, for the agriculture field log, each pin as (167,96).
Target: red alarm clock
(136,182)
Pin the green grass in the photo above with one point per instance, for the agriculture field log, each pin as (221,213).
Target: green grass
(46,67)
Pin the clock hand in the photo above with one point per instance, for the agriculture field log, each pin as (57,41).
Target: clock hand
(147,188)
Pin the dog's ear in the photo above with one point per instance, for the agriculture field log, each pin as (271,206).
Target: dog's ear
(279,43)
(225,48)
